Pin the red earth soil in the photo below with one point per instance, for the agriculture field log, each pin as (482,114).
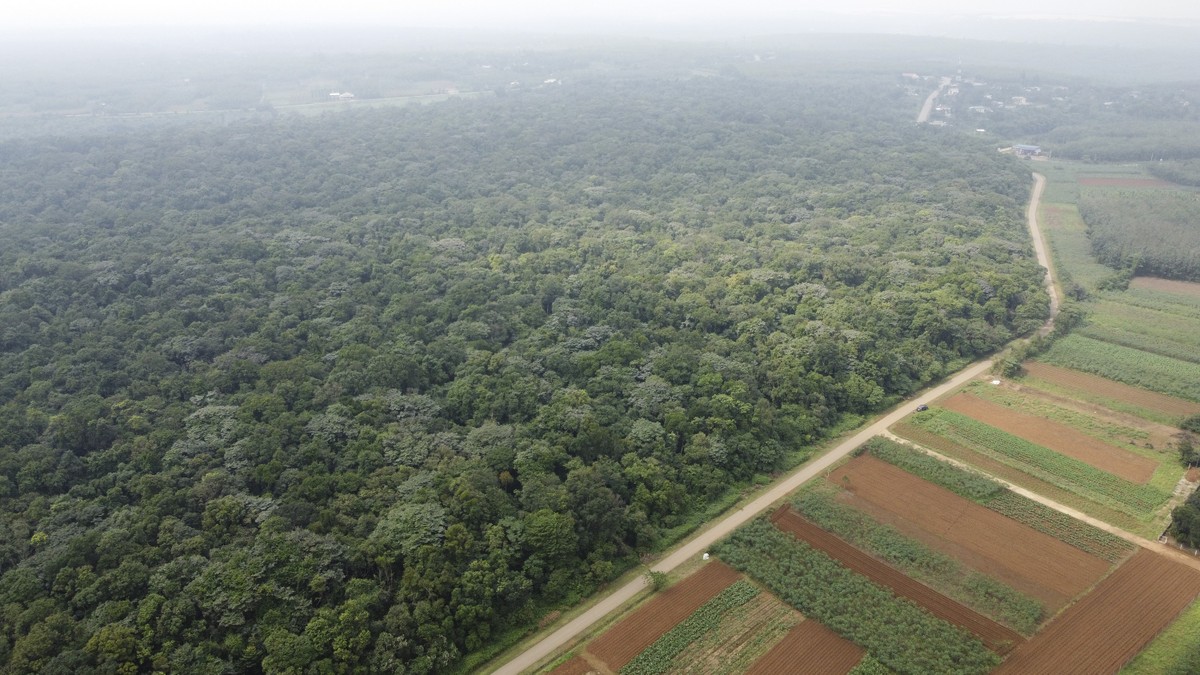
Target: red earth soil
(1073,379)
(1168,285)
(998,638)
(1034,563)
(1056,436)
(1193,475)
(1110,625)
(640,629)
(809,648)
(1125,182)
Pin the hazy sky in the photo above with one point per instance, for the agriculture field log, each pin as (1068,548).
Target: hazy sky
(538,13)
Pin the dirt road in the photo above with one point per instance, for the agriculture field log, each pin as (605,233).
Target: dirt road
(699,543)
(1040,249)
(923,116)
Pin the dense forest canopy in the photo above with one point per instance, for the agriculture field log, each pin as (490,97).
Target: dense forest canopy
(369,389)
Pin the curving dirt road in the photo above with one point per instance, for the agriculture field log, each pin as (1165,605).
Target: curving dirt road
(703,540)
(1040,249)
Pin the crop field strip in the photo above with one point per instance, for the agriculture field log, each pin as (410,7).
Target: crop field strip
(1115,320)
(658,657)
(1125,364)
(949,448)
(1055,436)
(1135,434)
(1113,394)
(1127,182)
(1070,248)
(1179,304)
(577,665)
(740,639)
(996,636)
(1072,474)
(991,495)
(633,634)
(819,504)
(1018,555)
(894,631)
(1110,625)
(1184,288)
(809,647)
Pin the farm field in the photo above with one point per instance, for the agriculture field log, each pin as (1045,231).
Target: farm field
(996,636)
(1106,628)
(894,631)
(1124,182)
(1141,501)
(1116,395)
(1136,434)
(738,641)
(633,634)
(1150,329)
(809,643)
(1188,288)
(1055,436)
(1173,650)
(1030,561)
(986,463)
(1134,367)
(818,503)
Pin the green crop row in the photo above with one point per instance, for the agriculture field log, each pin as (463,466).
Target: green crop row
(973,486)
(1125,364)
(894,631)
(1059,525)
(1163,301)
(915,559)
(1042,462)
(657,657)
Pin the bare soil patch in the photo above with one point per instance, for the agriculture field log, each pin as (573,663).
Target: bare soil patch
(812,646)
(1193,475)
(1167,285)
(1073,379)
(1056,436)
(741,639)
(577,666)
(639,630)
(1034,563)
(1105,629)
(1125,182)
(997,637)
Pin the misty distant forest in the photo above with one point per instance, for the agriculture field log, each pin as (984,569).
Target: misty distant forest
(296,384)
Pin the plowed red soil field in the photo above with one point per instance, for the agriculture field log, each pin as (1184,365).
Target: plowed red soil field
(1056,436)
(997,637)
(639,630)
(1105,629)
(1074,379)
(809,648)
(1034,563)
(1169,285)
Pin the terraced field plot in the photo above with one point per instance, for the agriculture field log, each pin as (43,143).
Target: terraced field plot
(812,648)
(1101,632)
(1055,436)
(997,637)
(1028,560)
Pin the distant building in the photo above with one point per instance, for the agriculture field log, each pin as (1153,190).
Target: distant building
(1027,150)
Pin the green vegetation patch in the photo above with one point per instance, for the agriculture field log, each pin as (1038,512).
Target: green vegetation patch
(897,632)
(1042,462)
(973,486)
(1059,525)
(938,570)
(1150,330)
(657,657)
(1125,364)
(1152,232)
